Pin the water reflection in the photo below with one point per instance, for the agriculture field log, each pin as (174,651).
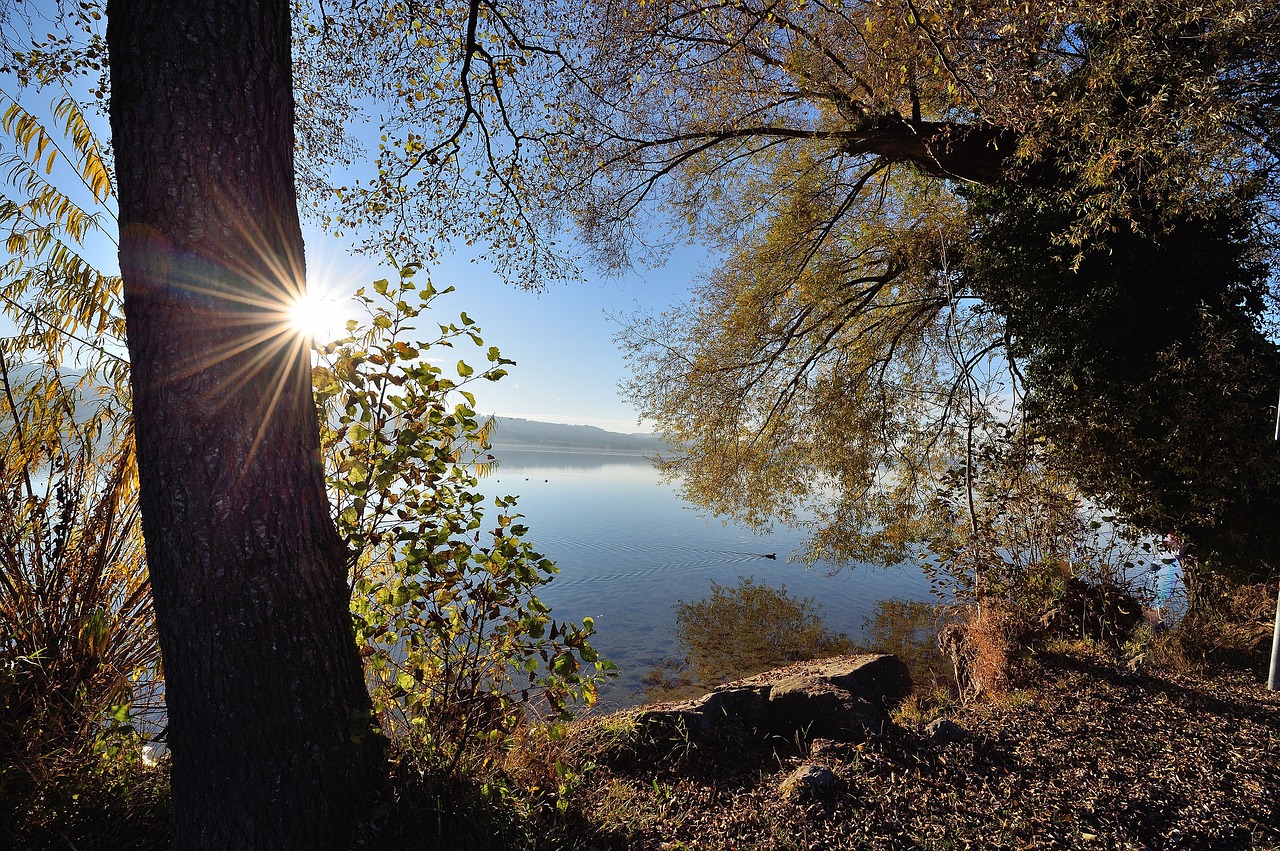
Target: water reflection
(523,460)
(629,549)
(909,630)
(740,631)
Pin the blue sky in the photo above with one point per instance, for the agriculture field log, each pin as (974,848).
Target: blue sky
(567,365)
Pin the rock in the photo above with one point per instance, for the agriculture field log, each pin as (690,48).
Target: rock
(943,731)
(814,708)
(808,781)
(845,698)
(671,719)
(747,706)
(883,679)
(742,707)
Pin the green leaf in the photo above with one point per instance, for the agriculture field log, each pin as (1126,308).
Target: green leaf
(449,588)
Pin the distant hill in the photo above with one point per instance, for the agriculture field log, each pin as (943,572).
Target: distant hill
(514,432)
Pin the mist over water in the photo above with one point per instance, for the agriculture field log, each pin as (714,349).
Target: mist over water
(629,549)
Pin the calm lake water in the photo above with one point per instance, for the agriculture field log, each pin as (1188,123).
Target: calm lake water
(629,549)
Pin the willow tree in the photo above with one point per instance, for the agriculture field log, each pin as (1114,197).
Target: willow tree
(841,357)
(837,359)
(269,720)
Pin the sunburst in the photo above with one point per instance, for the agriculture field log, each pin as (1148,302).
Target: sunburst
(319,315)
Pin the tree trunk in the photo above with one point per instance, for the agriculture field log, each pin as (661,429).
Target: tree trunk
(978,154)
(269,719)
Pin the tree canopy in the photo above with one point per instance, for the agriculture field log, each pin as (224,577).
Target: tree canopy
(844,352)
(877,309)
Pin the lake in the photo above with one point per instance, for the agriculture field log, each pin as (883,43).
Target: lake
(629,549)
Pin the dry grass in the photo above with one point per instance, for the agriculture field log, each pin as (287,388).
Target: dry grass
(1231,628)
(985,648)
(75,611)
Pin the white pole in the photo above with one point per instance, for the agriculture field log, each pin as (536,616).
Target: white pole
(1273,678)
(1278,420)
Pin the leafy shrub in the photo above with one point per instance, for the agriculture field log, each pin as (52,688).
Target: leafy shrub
(1024,559)
(457,645)
(115,803)
(1008,525)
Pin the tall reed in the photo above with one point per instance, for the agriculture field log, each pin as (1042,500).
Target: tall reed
(77,640)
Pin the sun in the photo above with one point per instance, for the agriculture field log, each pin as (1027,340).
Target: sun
(319,315)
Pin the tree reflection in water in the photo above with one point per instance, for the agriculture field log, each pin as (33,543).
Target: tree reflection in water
(742,630)
(909,630)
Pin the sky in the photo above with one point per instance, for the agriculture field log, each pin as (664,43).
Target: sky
(567,365)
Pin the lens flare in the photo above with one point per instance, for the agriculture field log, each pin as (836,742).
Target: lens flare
(319,316)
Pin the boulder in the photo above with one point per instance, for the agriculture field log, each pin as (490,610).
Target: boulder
(745,708)
(814,708)
(808,781)
(844,698)
(880,678)
(681,720)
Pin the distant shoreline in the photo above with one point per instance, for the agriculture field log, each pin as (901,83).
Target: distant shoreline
(574,450)
(514,433)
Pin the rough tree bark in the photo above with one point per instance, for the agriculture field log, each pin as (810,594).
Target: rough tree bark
(974,153)
(268,713)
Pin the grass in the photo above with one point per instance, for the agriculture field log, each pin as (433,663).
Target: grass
(104,802)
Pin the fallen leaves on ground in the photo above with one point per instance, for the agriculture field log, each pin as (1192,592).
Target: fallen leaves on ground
(1094,757)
